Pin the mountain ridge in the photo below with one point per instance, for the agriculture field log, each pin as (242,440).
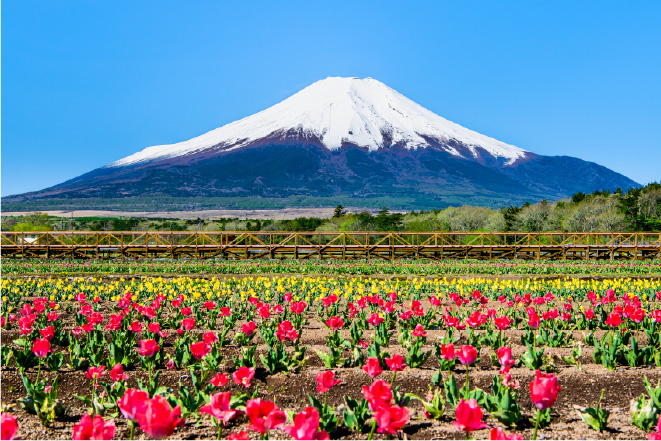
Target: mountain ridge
(341,138)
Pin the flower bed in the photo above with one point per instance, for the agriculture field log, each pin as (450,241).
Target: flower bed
(318,358)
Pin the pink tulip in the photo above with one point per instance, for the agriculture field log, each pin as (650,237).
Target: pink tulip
(117,373)
(199,349)
(243,376)
(306,425)
(391,419)
(499,434)
(219,380)
(8,426)
(467,354)
(148,348)
(469,416)
(158,419)
(544,390)
(132,403)
(95,428)
(220,407)
(326,380)
(378,395)
(396,363)
(41,347)
(372,367)
(264,415)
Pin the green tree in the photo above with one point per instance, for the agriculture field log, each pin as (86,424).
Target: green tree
(339,212)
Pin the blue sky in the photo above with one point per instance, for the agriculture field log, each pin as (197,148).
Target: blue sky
(86,83)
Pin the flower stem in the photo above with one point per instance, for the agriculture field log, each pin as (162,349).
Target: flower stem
(467,384)
(372,431)
(132,428)
(534,434)
(38,372)
(220,430)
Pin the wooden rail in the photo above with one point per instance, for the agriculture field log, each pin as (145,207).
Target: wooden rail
(327,245)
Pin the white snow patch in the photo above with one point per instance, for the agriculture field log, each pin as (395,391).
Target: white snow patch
(338,110)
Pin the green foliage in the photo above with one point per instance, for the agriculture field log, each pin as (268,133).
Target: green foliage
(596,417)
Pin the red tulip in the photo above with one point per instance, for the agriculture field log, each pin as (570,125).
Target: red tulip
(469,416)
(136,326)
(447,352)
(249,328)
(94,373)
(326,380)
(148,348)
(396,363)
(544,390)
(533,321)
(243,376)
(238,436)
(199,349)
(286,331)
(117,373)
(96,428)
(378,395)
(41,347)
(264,415)
(132,403)
(419,331)
(47,333)
(220,407)
(467,354)
(372,367)
(210,338)
(219,380)
(188,323)
(504,355)
(499,434)
(375,319)
(502,322)
(154,327)
(8,426)
(335,323)
(614,320)
(158,419)
(306,425)
(391,419)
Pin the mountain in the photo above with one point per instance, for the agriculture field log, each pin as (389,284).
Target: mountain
(340,139)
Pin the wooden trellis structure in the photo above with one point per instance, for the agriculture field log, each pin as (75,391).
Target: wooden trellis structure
(344,246)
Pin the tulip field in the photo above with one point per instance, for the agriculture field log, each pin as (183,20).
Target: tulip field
(333,267)
(336,355)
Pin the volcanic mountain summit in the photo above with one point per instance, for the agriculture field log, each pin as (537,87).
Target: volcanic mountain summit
(342,139)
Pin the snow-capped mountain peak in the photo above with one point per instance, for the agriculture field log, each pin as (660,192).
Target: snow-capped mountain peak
(339,111)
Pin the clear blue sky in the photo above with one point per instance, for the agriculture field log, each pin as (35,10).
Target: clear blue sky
(86,83)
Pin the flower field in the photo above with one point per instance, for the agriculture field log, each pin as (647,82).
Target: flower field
(319,357)
(333,267)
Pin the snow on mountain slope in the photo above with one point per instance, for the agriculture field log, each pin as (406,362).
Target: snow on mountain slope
(339,111)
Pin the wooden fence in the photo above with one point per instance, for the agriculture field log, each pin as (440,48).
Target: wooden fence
(327,245)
